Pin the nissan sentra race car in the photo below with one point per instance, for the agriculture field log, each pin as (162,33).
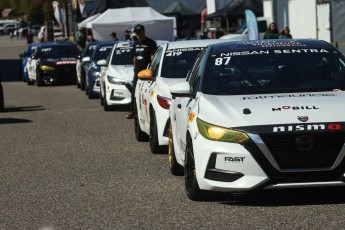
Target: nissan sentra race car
(169,65)
(260,115)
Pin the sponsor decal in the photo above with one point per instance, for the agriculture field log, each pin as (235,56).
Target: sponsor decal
(288,107)
(307,127)
(139,57)
(234,159)
(191,117)
(152,93)
(65,62)
(289,96)
(303,118)
(326,127)
(272,43)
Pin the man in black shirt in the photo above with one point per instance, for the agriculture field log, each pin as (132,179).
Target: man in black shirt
(143,49)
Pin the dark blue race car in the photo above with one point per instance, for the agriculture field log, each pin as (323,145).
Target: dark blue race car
(53,62)
(101,52)
(83,63)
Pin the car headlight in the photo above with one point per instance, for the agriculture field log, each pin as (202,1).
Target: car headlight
(95,74)
(46,68)
(217,133)
(114,80)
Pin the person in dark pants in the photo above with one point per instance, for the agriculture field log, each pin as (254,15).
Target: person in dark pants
(143,49)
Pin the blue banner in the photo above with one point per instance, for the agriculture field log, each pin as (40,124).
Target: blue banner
(252,25)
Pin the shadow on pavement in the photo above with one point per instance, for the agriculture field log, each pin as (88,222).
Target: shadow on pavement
(286,197)
(13,120)
(22,109)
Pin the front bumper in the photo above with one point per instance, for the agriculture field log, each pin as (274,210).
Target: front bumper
(229,167)
(118,94)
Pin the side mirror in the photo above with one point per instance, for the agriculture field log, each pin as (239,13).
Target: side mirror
(102,63)
(145,74)
(86,59)
(181,89)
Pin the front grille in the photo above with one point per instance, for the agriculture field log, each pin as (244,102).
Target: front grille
(326,148)
(65,71)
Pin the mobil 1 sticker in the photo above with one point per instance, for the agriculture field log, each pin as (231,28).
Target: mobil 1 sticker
(179,51)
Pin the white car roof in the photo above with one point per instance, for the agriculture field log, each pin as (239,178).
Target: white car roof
(192,43)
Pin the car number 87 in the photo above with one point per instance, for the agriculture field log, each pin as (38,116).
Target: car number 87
(222,61)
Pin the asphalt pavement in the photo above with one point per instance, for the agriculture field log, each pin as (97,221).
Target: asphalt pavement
(67,164)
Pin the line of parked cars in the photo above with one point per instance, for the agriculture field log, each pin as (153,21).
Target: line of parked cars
(232,116)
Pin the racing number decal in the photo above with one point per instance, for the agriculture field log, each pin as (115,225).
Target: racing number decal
(171,54)
(222,61)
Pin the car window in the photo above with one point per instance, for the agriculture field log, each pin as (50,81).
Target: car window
(154,65)
(57,52)
(89,50)
(102,52)
(271,71)
(122,56)
(197,71)
(177,62)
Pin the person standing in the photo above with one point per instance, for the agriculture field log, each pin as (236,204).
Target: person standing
(113,36)
(272,32)
(143,50)
(285,33)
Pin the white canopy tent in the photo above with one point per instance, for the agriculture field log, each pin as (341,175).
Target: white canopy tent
(87,22)
(157,26)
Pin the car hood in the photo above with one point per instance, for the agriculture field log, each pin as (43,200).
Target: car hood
(245,111)
(125,72)
(163,85)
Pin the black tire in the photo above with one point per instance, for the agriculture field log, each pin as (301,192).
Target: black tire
(2,103)
(154,143)
(139,134)
(28,82)
(106,107)
(190,181)
(39,81)
(101,99)
(77,83)
(175,168)
(89,92)
(82,81)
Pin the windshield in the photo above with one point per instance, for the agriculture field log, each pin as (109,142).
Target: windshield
(273,71)
(177,62)
(58,52)
(102,52)
(122,56)
(89,50)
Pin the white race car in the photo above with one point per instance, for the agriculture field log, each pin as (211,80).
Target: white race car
(169,65)
(117,76)
(260,115)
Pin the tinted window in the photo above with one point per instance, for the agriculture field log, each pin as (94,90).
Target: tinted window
(122,56)
(89,50)
(177,62)
(154,65)
(265,71)
(58,52)
(102,52)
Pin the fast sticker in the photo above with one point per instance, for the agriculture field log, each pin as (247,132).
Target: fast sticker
(191,117)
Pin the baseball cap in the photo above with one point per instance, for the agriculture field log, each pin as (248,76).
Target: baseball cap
(139,27)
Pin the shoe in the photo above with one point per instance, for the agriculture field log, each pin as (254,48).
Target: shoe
(130,115)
